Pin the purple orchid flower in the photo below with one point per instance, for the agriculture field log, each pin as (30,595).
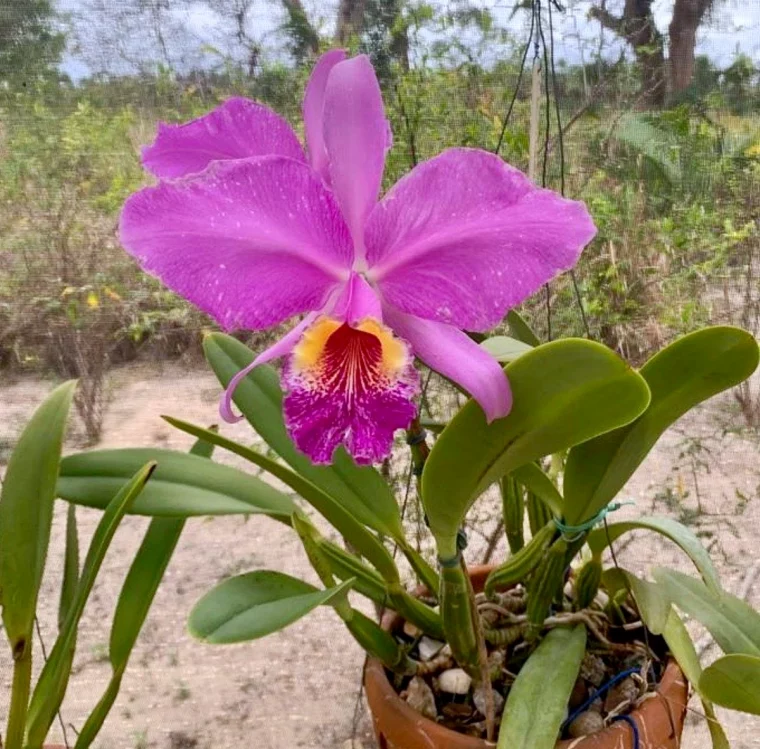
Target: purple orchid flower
(253,232)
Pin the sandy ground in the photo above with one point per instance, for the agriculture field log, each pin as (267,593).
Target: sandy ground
(299,688)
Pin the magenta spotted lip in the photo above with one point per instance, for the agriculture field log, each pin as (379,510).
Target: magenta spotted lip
(254,232)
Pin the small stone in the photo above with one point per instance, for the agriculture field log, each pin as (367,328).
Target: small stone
(428,648)
(586,723)
(419,696)
(454,681)
(579,694)
(479,698)
(593,669)
(457,711)
(622,695)
(411,631)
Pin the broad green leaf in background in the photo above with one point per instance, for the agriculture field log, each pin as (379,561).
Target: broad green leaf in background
(682,647)
(51,685)
(537,701)
(329,507)
(505,349)
(733,681)
(26,513)
(734,624)
(520,329)
(565,392)
(256,604)
(137,593)
(683,374)
(183,485)
(599,539)
(259,398)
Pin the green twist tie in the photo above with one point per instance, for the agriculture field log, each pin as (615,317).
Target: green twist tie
(574,532)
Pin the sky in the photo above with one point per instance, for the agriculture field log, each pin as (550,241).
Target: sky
(734,27)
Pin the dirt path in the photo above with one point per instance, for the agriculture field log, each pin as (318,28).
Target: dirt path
(299,687)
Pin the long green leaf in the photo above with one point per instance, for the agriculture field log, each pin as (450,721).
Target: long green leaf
(545,681)
(26,513)
(733,681)
(565,392)
(183,486)
(70,566)
(599,539)
(653,603)
(331,509)
(681,646)
(687,372)
(734,624)
(250,606)
(51,685)
(537,482)
(360,489)
(137,594)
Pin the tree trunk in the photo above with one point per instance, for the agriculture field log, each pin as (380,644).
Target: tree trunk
(350,20)
(637,27)
(304,36)
(687,16)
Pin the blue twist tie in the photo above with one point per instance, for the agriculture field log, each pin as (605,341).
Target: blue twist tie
(574,532)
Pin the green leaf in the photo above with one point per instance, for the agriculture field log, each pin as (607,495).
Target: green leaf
(183,486)
(70,566)
(681,646)
(599,539)
(520,329)
(137,593)
(537,482)
(687,372)
(546,679)
(345,566)
(361,490)
(658,145)
(254,605)
(734,624)
(733,681)
(51,685)
(330,508)
(505,349)
(653,603)
(26,514)
(565,392)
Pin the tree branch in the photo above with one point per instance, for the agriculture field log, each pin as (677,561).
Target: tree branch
(607,19)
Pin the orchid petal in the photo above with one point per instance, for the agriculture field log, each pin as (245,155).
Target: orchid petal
(455,355)
(357,302)
(314,110)
(275,351)
(349,386)
(237,129)
(251,242)
(356,137)
(464,237)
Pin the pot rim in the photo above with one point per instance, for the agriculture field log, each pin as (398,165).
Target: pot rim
(669,700)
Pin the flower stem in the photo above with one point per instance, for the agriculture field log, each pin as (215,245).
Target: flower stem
(22,677)
(484,671)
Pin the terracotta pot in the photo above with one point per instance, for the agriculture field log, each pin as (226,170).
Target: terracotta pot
(659,719)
